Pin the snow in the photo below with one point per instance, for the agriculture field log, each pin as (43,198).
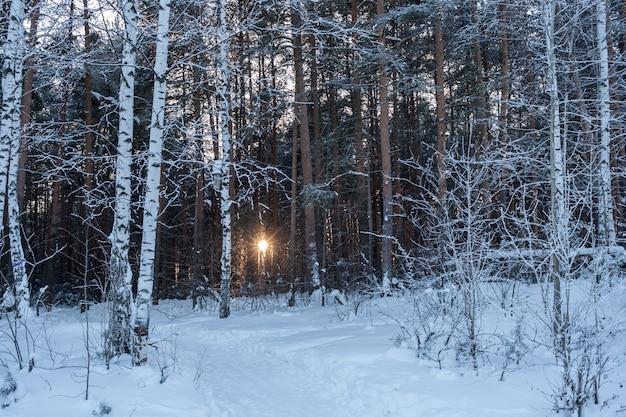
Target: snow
(270,360)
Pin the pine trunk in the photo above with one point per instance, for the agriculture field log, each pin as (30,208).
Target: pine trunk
(310,239)
(440,112)
(385,155)
(27,99)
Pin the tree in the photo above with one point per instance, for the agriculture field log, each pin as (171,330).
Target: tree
(605,206)
(152,187)
(120,337)
(302,122)
(385,154)
(224,166)
(440,108)
(10,140)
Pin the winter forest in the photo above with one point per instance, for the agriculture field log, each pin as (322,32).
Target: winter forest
(456,166)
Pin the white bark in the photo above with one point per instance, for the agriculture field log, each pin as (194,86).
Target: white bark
(18,260)
(10,137)
(606,221)
(153,186)
(225,165)
(559,215)
(120,326)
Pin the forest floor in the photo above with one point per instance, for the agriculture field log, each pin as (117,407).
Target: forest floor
(269,360)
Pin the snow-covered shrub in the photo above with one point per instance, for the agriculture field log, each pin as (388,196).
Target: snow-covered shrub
(348,304)
(104,408)
(7,386)
(514,346)
(430,327)
(583,348)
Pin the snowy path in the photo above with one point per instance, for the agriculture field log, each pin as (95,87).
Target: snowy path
(286,365)
(283,367)
(243,377)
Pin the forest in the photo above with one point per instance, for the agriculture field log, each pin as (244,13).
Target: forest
(217,150)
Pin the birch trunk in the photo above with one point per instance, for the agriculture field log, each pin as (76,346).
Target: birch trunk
(559,215)
(606,221)
(120,326)
(153,188)
(10,135)
(225,165)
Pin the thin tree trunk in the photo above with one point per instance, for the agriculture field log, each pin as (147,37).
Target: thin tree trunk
(293,211)
(27,99)
(90,142)
(56,218)
(89,136)
(120,326)
(504,100)
(504,72)
(198,254)
(559,216)
(152,188)
(606,220)
(225,165)
(440,111)
(363,202)
(310,240)
(481,91)
(385,156)
(10,138)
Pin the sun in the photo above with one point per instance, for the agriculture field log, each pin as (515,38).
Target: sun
(262,245)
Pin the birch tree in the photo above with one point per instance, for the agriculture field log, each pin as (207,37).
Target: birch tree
(10,137)
(120,326)
(559,216)
(224,165)
(606,221)
(152,188)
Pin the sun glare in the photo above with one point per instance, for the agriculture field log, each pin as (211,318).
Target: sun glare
(262,245)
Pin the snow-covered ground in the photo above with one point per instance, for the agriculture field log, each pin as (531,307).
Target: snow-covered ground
(269,360)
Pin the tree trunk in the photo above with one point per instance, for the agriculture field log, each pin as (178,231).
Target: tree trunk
(120,326)
(293,211)
(481,91)
(363,203)
(440,111)
(385,156)
(152,188)
(310,240)
(559,215)
(90,142)
(504,102)
(27,99)
(606,220)
(10,138)
(225,165)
